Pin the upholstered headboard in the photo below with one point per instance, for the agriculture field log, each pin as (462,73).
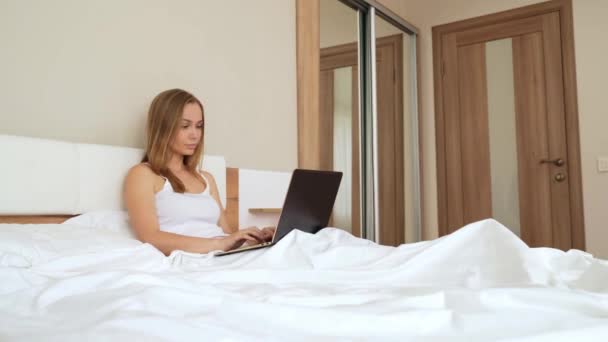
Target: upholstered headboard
(42,176)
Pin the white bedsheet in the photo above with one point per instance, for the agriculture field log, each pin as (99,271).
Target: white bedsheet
(65,282)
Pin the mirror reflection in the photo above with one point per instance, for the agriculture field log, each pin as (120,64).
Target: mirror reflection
(339,107)
(397,135)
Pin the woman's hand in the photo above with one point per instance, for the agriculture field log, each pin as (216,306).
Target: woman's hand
(268,233)
(251,235)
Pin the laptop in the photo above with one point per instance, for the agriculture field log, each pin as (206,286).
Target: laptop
(308,205)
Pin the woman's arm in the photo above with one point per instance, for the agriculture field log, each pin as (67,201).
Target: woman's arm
(213,190)
(267,232)
(141,204)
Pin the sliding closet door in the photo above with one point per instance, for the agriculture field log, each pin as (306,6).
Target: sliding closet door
(367,122)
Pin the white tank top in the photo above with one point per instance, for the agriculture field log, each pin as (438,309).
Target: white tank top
(188,213)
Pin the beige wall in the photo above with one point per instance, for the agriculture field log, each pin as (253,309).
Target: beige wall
(590,27)
(85,71)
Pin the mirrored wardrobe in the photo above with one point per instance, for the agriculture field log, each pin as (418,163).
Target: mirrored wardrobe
(366,125)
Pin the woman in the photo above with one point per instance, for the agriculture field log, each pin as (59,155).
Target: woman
(170,204)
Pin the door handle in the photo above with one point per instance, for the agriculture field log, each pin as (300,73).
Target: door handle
(560,177)
(556,162)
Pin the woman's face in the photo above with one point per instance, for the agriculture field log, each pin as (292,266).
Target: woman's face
(189,130)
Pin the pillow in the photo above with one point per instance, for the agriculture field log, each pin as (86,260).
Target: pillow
(112,220)
(26,245)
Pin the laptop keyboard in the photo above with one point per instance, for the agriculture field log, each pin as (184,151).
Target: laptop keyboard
(255,246)
(246,248)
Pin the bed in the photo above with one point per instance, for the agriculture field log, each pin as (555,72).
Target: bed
(70,269)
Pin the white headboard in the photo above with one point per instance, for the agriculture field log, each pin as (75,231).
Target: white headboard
(42,176)
(261,189)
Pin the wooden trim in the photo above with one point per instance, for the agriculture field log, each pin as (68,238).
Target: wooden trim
(341,49)
(501,17)
(37,219)
(399,148)
(356,177)
(577,214)
(564,7)
(438,69)
(504,30)
(232,197)
(264,210)
(424,234)
(339,56)
(326,104)
(308,66)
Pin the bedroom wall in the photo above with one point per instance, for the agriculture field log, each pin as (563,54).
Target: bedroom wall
(591,50)
(86,71)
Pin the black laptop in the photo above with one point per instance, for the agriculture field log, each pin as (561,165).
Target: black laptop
(308,204)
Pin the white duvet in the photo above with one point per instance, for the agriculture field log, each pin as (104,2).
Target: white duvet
(68,282)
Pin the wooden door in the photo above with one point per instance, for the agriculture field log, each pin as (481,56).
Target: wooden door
(543,157)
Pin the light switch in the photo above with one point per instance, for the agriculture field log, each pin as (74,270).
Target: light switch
(602,164)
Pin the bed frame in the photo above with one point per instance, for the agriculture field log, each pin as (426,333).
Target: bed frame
(231,210)
(50,181)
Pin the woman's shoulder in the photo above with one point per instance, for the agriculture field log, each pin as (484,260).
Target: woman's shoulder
(142,170)
(207,176)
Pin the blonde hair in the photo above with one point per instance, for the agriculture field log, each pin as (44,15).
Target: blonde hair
(164,117)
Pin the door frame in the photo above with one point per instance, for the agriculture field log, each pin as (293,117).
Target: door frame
(564,8)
